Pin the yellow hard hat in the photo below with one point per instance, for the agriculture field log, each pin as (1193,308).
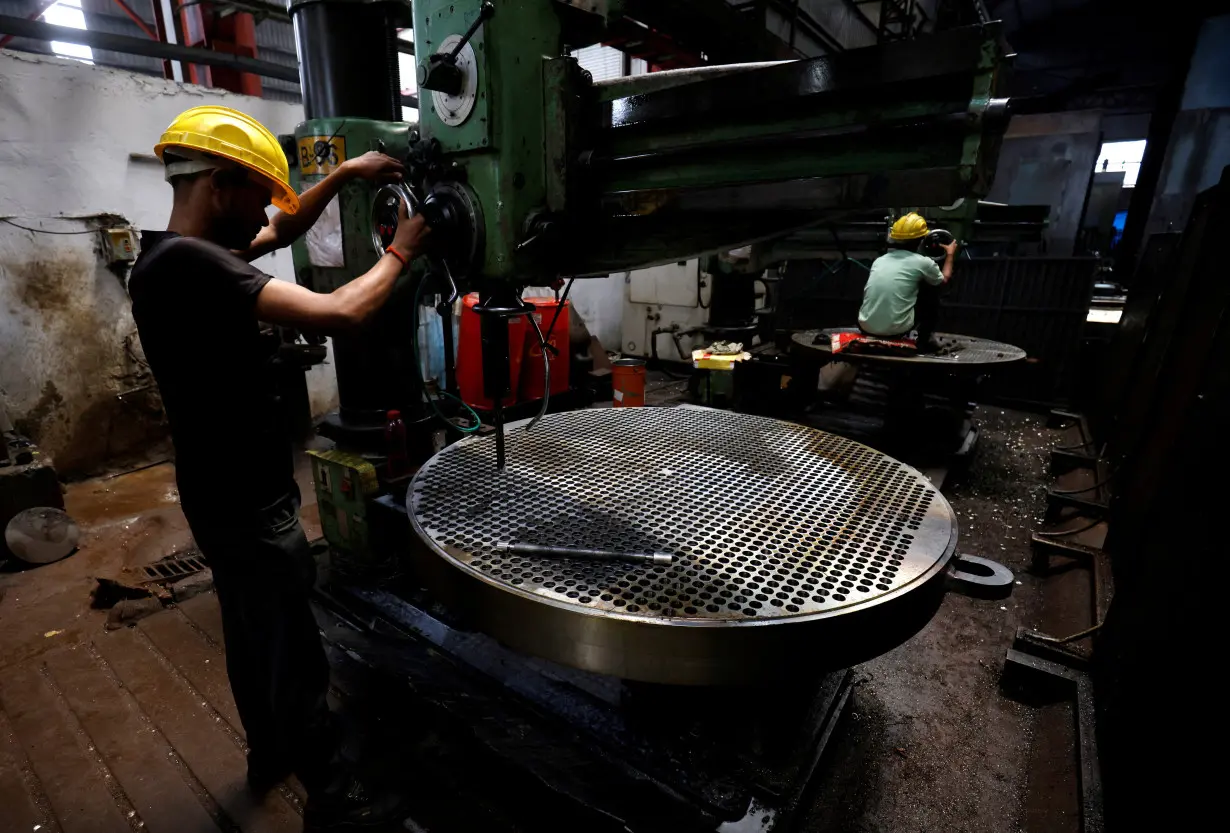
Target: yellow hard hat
(236,136)
(909,227)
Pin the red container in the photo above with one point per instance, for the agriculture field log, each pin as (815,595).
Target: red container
(628,382)
(470,356)
(531,366)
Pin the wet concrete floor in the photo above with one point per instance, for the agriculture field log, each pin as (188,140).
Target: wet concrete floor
(135,729)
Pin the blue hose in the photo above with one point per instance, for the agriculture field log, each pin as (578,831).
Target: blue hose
(418,369)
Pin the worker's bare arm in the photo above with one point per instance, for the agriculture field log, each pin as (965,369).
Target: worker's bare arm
(284,229)
(349,306)
(950,257)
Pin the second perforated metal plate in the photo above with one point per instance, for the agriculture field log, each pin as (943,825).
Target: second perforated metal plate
(954,350)
(769,521)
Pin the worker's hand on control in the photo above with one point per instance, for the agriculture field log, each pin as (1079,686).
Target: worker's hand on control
(411,234)
(375,166)
(950,249)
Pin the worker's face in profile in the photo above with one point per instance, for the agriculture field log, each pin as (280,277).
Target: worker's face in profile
(239,204)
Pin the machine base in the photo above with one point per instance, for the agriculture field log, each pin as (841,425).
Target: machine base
(584,751)
(424,436)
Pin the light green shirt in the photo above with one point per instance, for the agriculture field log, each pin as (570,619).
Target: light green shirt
(892,291)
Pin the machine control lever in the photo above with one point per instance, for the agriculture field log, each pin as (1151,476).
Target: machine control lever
(440,71)
(484,13)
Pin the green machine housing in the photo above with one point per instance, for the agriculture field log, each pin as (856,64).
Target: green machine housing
(555,175)
(339,247)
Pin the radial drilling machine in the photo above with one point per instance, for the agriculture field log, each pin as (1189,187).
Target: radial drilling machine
(528,170)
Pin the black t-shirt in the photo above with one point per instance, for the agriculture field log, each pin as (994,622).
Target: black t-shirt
(195,307)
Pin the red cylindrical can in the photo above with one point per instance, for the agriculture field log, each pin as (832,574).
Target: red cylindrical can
(628,381)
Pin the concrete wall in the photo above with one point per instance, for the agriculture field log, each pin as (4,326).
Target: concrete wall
(1199,146)
(600,303)
(76,142)
(1048,159)
(72,366)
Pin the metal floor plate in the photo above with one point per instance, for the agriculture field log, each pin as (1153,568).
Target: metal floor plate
(769,521)
(956,350)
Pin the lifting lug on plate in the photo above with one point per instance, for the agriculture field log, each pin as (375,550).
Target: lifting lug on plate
(979,577)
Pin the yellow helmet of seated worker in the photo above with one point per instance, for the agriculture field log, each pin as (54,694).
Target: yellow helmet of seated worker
(909,227)
(230,134)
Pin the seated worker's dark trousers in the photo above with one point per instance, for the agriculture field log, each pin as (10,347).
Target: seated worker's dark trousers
(263,573)
(927,310)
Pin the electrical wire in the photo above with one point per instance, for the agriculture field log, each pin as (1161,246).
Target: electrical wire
(1060,533)
(660,363)
(1085,444)
(320,157)
(546,373)
(45,231)
(1096,485)
(1064,640)
(559,306)
(418,369)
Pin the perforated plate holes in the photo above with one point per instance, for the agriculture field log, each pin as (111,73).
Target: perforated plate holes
(768,520)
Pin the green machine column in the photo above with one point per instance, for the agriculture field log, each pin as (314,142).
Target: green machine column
(351,95)
(375,371)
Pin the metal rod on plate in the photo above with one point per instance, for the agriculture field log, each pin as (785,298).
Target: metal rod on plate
(590,554)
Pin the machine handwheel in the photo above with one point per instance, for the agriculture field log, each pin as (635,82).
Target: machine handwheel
(385,207)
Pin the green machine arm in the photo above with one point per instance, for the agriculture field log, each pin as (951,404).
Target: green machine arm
(545,173)
(528,170)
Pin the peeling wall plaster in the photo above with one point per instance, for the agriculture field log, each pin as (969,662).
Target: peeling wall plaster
(76,141)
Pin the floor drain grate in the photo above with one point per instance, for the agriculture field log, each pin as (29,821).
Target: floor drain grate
(172,569)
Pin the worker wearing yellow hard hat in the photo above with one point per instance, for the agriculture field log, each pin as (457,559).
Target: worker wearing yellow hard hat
(902,292)
(198,302)
(220,132)
(909,227)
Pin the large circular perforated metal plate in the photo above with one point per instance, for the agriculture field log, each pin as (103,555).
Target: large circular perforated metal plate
(771,523)
(954,350)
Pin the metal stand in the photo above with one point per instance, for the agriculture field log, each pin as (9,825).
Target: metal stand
(598,751)
(1063,676)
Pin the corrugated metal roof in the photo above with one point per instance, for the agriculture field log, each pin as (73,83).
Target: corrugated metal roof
(105,16)
(275,40)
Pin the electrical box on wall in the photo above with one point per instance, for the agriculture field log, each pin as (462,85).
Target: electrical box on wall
(119,245)
(664,306)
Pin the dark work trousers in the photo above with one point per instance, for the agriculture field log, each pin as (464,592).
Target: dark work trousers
(927,310)
(263,573)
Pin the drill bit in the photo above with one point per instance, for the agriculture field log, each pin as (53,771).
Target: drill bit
(498,417)
(657,558)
